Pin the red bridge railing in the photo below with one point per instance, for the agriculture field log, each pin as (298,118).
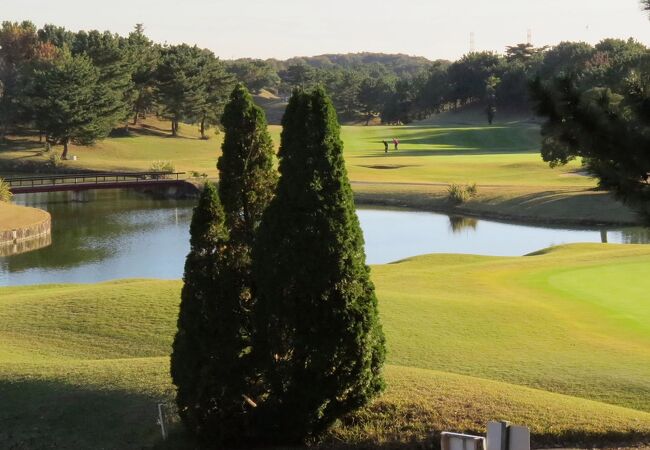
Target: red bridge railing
(88,180)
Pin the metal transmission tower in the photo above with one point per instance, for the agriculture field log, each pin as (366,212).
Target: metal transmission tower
(472,42)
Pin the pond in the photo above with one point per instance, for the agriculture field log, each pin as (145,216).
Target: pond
(107,234)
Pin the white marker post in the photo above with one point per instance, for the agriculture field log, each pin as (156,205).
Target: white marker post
(161,421)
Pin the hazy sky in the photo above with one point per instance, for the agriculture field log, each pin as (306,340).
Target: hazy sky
(285,28)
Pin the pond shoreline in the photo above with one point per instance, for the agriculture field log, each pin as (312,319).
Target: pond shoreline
(580,208)
(511,204)
(452,210)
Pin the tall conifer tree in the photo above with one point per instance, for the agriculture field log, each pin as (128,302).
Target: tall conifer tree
(211,361)
(193,344)
(247,178)
(318,336)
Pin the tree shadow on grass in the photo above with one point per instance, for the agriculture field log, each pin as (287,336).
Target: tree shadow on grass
(450,151)
(146,130)
(465,141)
(559,201)
(49,415)
(16,144)
(39,415)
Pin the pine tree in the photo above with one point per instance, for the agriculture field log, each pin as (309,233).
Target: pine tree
(109,55)
(144,57)
(178,82)
(69,102)
(318,339)
(217,83)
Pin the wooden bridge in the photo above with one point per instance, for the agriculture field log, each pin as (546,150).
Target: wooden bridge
(86,181)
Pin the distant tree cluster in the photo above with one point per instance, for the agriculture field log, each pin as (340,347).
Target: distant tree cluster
(278,332)
(78,87)
(399,88)
(597,106)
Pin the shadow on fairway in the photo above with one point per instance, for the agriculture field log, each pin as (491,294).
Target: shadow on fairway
(557,205)
(20,144)
(451,151)
(49,415)
(39,415)
(147,130)
(465,141)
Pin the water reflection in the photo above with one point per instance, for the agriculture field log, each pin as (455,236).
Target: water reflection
(458,224)
(25,246)
(102,234)
(635,235)
(108,234)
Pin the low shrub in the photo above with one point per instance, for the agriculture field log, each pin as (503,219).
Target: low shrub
(458,193)
(5,193)
(162,166)
(55,160)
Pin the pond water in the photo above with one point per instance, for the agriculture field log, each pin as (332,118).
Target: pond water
(107,234)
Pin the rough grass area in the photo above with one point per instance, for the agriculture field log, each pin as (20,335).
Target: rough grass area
(559,341)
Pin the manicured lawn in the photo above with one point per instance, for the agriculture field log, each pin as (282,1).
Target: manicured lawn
(503,160)
(559,341)
(500,155)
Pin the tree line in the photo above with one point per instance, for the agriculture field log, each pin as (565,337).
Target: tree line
(278,331)
(103,81)
(79,87)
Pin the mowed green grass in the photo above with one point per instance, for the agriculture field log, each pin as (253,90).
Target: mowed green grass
(503,160)
(559,341)
(506,154)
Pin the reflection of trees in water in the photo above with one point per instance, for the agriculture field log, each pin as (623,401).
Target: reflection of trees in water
(635,235)
(89,226)
(460,223)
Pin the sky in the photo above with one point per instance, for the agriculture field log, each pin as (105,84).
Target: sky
(436,29)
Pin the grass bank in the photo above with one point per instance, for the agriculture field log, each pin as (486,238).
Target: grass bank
(559,340)
(503,160)
(15,217)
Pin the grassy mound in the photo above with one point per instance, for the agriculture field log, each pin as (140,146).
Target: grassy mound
(559,341)
(15,216)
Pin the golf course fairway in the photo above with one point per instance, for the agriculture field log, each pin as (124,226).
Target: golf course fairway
(558,341)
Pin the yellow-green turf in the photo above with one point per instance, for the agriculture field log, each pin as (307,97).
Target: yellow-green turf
(13,216)
(504,160)
(505,154)
(559,341)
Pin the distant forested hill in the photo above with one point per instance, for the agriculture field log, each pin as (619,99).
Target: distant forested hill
(399,64)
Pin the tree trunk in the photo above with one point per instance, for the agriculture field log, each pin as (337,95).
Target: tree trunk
(64,156)
(203,127)
(135,117)
(174,127)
